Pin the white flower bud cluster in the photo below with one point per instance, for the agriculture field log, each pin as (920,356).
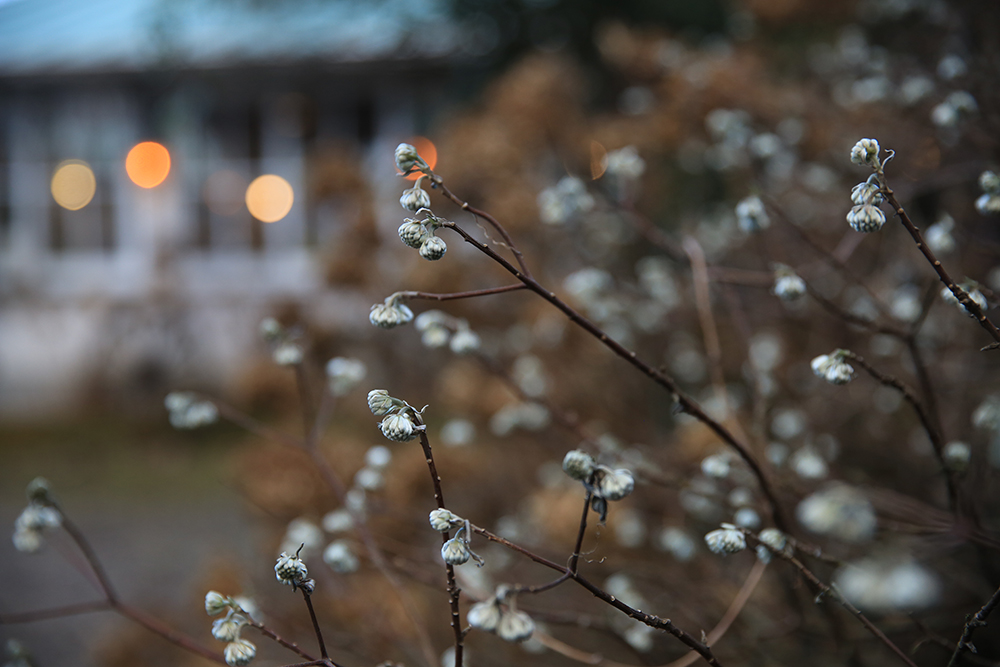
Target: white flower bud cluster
(726,540)
(866,216)
(420,234)
(564,201)
(602,482)
(500,615)
(787,285)
(187,412)
(773,540)
(227,629)
(415,198)
(390,313)
(866,152)
(971,288)
(40,515)
(443,520)
(408,159)
(400,421)
(833,368)
(989,202)
(344,374)
(438,329)
(290,570)
(751,215)
(456,550)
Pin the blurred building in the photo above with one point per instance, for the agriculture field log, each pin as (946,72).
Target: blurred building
(171,280)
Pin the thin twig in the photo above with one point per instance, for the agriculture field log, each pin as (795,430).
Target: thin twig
(452,296)
(832,593)
(932,433)
(653,621)
(274,636)
(464,205)
(685,402)
(56,612)
(963,297)
(977,620)
(329,476)
(316,629)
(453,589)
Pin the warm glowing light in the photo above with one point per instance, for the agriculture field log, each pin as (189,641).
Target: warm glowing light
(148,164)
(269,198)
(427,150)
(598,160)
(73,184)
(223,192)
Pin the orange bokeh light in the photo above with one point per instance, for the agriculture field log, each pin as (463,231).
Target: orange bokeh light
(269,198)
(427,150)
(148,164)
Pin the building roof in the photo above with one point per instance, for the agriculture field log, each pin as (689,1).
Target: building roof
(70,36)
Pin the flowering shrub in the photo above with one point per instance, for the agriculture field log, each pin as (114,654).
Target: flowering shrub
(676,360)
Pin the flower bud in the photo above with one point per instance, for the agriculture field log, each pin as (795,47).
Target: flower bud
(865,152)
(442,520)
(833,368)
(27,540)
(407,159)
(455,552)
(228,629)
(290,569)
(751,216)
(867,218)
(774,538)
(38,491)
(381,403)
(787,285)
(726,540)
(38,517)
(484,615)
(388,315)
(578,465)
(415,199)
(398,428)
(433,248)
(413,233)
(215,603)
(515,626)
(239,653)
(868,192)
(616,484)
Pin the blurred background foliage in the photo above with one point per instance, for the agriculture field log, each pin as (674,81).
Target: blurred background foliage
(720,101)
